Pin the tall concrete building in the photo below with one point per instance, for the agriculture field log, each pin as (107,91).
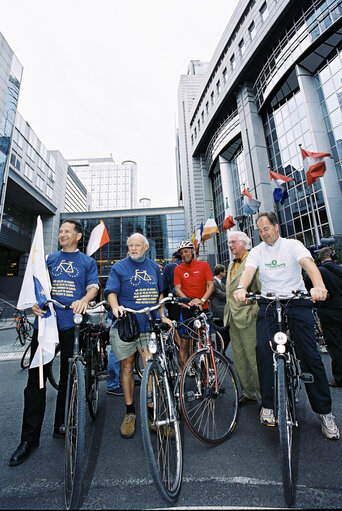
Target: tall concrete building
(111,186)
(274,82)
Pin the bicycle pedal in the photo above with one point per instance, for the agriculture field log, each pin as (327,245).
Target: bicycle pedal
(307,378)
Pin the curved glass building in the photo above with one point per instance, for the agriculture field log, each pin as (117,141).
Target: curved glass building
(274,83)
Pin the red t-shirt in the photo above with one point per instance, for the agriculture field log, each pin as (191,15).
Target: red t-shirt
(193,278)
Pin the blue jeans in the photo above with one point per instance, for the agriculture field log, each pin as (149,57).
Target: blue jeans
(114,372)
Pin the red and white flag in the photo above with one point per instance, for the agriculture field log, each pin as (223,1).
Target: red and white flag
(315,165)
(98,237)
(228,222)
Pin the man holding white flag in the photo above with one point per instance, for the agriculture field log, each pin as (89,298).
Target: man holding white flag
(75,283)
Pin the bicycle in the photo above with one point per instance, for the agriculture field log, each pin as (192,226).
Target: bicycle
(209,386)
(80,389)
(159,407)
(288,378)
(24,327)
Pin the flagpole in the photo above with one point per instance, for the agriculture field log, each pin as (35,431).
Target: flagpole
(314,221)
(100,273)
(40,352)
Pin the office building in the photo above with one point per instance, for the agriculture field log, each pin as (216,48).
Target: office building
(111,186)
(273,82)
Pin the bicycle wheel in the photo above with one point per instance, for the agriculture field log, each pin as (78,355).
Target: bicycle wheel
(2,318)
(138,365)
(285,432)
(209,396)
(25,359)
(217,341)
(74,436)
(53,371)
(92,368)
(161,435)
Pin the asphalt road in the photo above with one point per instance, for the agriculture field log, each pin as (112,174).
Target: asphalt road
(244,472)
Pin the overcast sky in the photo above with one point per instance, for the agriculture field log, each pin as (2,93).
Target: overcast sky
(102,77)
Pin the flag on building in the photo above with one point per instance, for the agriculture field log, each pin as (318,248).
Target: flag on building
(209,228)
(36,289)
(315,165)
(193,238)
(98,237)
(278,182)
(198,238)
(228,222)
(250,205)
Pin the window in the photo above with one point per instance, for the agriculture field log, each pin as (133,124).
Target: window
(40,183)
(28,172)
(264,12)
(202,116)
(251,30)
(218,88)
(31,152)
(195,133)
(49,191)
(224,75)
(242,47)
(232,62)
(212,98)
(207,108)
(199,125)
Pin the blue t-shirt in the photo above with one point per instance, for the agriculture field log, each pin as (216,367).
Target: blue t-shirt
(137,285)
(70,273)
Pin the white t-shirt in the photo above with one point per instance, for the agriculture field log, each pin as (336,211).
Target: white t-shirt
(278,264)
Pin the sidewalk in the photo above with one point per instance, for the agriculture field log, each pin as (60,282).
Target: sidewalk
(10,347)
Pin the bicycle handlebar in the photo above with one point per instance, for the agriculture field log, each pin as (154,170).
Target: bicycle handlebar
(295,295)
(91,308)
(168,299)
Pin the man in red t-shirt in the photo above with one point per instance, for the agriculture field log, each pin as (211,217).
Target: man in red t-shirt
(192,279)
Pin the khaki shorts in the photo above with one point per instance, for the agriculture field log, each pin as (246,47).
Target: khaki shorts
(123,350)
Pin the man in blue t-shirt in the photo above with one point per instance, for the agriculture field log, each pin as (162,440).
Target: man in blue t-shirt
(134,282)
(75,282)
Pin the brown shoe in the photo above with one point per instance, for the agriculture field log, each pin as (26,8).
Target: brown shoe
(128,425)
(332,383)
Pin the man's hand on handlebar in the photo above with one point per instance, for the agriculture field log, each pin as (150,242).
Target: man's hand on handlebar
(240,295)
(318,294)
(79,306)
(196,302)
(37,311)
(119,311)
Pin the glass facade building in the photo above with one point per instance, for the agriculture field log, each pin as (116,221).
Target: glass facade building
(284,92)
(163,228)
(110,186)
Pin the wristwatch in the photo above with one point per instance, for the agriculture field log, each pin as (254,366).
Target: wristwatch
(203,300)
(241,287)
(162,316)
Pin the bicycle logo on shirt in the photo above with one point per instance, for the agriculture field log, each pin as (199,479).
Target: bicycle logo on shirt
(65,267)
(141,276)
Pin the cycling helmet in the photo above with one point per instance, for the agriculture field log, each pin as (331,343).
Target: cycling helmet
(185,244)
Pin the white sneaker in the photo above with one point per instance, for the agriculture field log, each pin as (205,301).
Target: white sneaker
(329,427)
(267,416)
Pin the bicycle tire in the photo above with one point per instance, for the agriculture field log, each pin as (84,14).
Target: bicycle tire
(92,380)
(161,437)
(2,318)
(138,365)
(74,436)
(285,432)
(25,359)
(211,413)
(53,372)
(217,341)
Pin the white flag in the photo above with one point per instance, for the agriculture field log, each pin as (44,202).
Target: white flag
(36,289)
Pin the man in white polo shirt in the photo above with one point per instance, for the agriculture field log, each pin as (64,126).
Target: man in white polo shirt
(280,262)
